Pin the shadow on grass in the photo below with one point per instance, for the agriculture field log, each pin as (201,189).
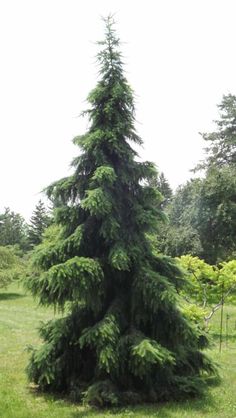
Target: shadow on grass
(202,404)
(10,296)
(160,410)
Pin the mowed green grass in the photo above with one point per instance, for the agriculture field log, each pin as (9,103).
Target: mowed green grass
(19,319)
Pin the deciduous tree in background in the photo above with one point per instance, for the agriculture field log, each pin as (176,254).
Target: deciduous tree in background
(12,266)
(122,338)
(202,213)
(180,234)
(217,204)
(206,286)
(202,218)
(13,229)
(217,214)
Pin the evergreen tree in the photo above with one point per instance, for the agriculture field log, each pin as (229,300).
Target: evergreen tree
(164,187)
(162,184)
(38,223)
(221,150)
(122,338)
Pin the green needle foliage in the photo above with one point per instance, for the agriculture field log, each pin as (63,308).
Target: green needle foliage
(122,338)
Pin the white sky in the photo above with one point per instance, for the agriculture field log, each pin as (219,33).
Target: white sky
(180,60)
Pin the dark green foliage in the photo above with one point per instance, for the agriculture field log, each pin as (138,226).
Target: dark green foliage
(13,229)
(123,338)
(39,221)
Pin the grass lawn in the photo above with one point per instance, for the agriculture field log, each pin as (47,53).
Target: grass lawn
(19,319)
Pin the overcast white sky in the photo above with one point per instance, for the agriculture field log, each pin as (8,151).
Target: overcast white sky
(180,60)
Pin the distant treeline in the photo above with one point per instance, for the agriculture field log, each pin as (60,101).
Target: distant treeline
(201,214)
(14,230)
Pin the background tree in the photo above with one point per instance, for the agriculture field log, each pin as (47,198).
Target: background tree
(39,221)
(123,338)
(180,234)
(207,286)
(164,188)
(221,150)
(202,218)
(12,265)
(217,196)
(13,229)
(160,182)
(202,213)
(217,214)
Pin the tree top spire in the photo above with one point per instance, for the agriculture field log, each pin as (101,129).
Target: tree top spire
(110,56)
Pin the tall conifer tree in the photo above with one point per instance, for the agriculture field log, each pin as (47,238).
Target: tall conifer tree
(39,221)
(122,337)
